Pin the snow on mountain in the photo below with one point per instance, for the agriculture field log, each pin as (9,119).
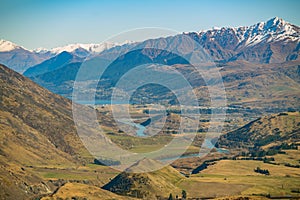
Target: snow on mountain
(272,41)
(78,47)
(19,58)
(275,29)
(93,48)
(8,46)
(40,50)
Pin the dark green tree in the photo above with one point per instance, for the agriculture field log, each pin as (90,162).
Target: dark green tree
(183,194)
(170,197)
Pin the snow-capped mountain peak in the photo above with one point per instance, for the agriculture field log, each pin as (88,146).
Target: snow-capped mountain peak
(274,29)
(8,46)
(40,50)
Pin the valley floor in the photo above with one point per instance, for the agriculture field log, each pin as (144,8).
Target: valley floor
(232,179)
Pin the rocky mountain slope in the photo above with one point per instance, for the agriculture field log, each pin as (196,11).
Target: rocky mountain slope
(273,41)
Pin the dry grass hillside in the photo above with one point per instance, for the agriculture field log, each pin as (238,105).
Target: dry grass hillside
(36,132)
(265,133)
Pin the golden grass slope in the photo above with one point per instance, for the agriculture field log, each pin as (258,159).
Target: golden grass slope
(81,191)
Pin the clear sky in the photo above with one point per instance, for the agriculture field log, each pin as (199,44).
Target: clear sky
(52,23)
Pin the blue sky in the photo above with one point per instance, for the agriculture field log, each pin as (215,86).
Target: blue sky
(52,23)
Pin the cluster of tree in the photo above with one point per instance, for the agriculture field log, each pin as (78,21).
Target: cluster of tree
(257,152)
(290,165)
(268,139)
(264,159)
(108,162)
(268,160)
(262,171)
(286,146)
(282,114)
(183,196)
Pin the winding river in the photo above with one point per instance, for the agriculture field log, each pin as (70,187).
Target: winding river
(140,132)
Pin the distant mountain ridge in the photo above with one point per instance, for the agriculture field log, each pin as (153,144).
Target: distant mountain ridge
(20,59)
(273,41)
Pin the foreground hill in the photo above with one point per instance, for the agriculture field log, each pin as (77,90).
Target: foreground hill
(40,110)
(146,185)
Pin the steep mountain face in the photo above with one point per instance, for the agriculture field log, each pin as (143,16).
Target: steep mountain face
(36,129)
(39,109)
(56,62)
(146,185)
(19,58)
(264,133)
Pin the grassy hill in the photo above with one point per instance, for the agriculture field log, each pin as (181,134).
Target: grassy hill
(146,185)
(265,133)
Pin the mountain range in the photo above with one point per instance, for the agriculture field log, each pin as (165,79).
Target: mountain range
(273,41)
